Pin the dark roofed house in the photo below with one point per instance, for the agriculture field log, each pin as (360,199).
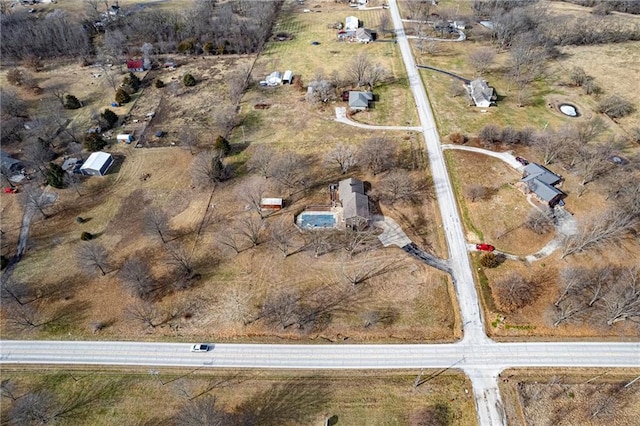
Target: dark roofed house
(355,204)
(135,65)
(540,181)
(360,101)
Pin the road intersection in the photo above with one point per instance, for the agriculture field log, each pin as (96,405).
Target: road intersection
(478,356)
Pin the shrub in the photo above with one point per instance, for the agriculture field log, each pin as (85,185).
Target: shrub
(71,102)
(578,76)
(131,80)
(80,219)
(615,107)
(490,134)
(86,236)
(635,134)
(109,117)
(55,176)
(15,77)
(591,88)
(159,84)
(4,262)
(122,97)
(222,144)
(188,80)
(187,46)
(209,47)
(490,260)
(94,142)
(457,138)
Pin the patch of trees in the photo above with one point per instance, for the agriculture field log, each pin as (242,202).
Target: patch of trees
(93,142)
(615,106)
(56,36)
(605,295)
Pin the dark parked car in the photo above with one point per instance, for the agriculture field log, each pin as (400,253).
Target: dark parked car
(522,161)
(485,247)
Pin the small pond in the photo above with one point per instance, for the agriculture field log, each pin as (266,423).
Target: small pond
(569,110)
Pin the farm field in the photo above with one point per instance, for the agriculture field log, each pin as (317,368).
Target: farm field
(135,396)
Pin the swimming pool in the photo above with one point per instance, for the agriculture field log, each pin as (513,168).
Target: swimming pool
(313,220)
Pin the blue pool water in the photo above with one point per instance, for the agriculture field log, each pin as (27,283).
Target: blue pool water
(312,221)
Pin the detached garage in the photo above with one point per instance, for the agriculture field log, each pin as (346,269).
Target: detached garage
(97,164)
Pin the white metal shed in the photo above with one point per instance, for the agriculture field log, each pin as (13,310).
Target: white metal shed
(97,164)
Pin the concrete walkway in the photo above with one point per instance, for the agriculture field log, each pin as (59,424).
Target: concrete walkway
(341,117)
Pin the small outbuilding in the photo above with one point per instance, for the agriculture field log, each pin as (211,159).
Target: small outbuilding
(72,165)
(359,101)
(274,79)
(288,77)
(271,203)
(97,164)
(10,166)
(125,138)
(135,65)
(351,23)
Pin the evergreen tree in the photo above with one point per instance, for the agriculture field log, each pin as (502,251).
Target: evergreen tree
(55,176)
(71,102)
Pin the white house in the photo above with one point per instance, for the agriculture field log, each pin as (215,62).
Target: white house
(481,94)
(274,79)
(97,164)
(288,77)
(351,23)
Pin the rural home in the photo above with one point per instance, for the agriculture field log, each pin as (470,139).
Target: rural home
(274,79)
(355,204)
(359,101)
(364,35)
(351,23)
(482,95)
(135,65)
(540,181)
(459,25)
(97,164)
(288,77)
(271,203)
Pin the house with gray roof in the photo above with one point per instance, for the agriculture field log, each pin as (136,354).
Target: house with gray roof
(541,182)
(360,101)
(481,93)
(355,204)
(9,165)
(365,35)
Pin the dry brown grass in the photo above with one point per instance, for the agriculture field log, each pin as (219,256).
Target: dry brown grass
(376,398)
(570,397)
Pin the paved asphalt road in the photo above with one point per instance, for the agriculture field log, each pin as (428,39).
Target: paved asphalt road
(488,357)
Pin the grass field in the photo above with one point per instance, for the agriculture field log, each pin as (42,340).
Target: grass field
(351,397)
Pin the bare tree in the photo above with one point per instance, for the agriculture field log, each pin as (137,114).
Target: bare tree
(623,301)
(281,308)
(225,119)
(282,235)
(8,389)
(549,145)
(207,168)
(262,161)
(178,256)
(136,277)
(481,59)
(251,192)
(514,292)
(358,68)
(399,186)
(616,107)
(375,74)
(606,228)
(290,170)
(93,256)
(39,407)
(539,221)
(204,411)
(230,238)
(567,310)
(377,154)
(251,227)
(358,271)
(146,313)
(188,139)
(342,155)
(359,240)
(475,192)
(237,83)
(156,222)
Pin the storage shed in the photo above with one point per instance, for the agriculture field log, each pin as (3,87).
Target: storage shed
(126,138)
(271,203)
(97,164)
(288,77)
(274,79)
